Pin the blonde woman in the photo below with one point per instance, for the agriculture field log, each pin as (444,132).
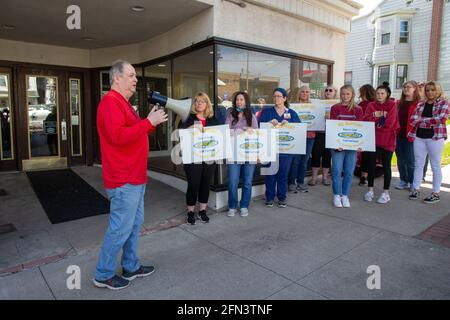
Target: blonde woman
(429,133)
(199,174)
(344,161)
(299,164)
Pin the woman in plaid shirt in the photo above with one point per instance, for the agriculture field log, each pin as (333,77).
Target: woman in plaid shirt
(428,133)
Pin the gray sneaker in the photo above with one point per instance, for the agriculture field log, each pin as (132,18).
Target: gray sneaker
(302,187)
(292,188)
(244,212)
(231,212)
(282,204)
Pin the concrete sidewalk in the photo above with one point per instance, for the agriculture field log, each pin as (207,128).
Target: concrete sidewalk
(308,250)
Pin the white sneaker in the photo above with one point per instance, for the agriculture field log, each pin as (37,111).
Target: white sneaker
(244,212)
(384,198)
(345,201)
(369,196)
(337,201)
(231,212)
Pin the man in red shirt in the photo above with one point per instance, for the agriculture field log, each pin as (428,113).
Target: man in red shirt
(124,148)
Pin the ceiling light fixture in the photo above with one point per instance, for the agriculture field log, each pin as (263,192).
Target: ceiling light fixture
(137,8)
(88,39)
(161,65)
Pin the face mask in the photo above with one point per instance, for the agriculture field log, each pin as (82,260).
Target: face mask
(240,110)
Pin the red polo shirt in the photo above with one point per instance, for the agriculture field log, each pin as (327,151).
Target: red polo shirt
(123,141)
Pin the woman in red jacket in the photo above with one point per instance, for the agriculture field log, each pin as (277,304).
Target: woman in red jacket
(384,113)
(344,161)
(404,150)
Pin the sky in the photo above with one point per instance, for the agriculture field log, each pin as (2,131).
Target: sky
(369,5)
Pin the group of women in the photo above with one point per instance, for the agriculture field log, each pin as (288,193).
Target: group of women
(413,127)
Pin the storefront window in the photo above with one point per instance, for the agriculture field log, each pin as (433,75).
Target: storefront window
(6,141)
(158,78)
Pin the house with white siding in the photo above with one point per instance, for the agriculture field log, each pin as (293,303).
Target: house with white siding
(393,43)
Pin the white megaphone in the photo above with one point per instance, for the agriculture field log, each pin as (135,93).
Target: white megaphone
(180,107)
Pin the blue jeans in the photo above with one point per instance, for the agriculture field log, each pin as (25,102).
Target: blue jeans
(342,161)
(405,160)
(299,164)
(279,181)
(125,220)
(234,173)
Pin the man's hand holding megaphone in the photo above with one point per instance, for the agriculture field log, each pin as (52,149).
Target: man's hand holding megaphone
(157,116)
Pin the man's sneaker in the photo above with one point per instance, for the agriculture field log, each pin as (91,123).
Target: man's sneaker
(203,216)
(282,204)
(114,283)
(362,181)
(432,198)
(231,212)
(143,271)
(369,196)
(345,202)
(302,187)
(402,185)
(384,198)
(191,218)
(414,195)
(337,201)
(292,188)
(244,212)
(269,204)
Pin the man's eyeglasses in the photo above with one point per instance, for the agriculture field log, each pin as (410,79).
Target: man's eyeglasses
(329,90)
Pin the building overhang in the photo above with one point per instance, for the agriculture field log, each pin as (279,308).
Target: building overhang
(102,23)
(402,12)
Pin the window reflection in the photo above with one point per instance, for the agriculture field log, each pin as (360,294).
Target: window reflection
(6,142)
(158,78)
(75,111)
(42,116)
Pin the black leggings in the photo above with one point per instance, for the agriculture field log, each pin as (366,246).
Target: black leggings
(364,164)
(198,179)
(386,157)
(320,152)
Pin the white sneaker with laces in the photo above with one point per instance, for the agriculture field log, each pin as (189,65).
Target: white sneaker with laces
(345,201)
(384,198)
(231,212)
(244,212)
(369,196)
(337,201)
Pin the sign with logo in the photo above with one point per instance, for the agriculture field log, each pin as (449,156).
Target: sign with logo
(210,145)
(253,145)
(311,114)
(290,137)
(350,135)
(49,127)
(325,104)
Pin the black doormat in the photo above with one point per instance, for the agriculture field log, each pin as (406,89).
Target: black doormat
(65,196)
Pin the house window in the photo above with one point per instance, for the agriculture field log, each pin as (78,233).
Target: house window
(404,31)
(402,74)
(348,78)
(383,74)
(386,32)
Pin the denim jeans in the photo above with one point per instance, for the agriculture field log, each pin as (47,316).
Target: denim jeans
(234,173)
(343,161)
(125,220)
(300,164)
(405,160)
(279,181)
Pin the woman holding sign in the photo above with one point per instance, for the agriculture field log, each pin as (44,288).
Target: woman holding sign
(279,114)
(429,133)
(199,174)
(300,162)
(344,160)
(384,113)
(240,119)
(320,154)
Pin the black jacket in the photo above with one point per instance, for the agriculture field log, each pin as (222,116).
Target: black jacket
(193,117)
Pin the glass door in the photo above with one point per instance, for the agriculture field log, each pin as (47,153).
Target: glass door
(43,141)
